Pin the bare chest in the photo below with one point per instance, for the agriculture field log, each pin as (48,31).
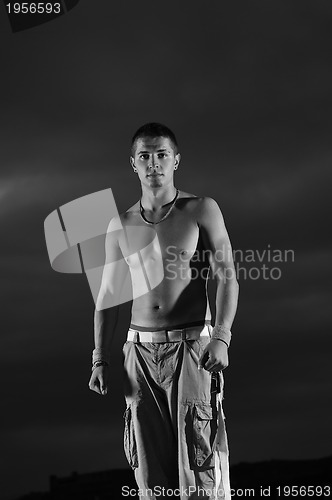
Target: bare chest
(173,239)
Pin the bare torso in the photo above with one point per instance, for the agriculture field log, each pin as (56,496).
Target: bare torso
(168,265)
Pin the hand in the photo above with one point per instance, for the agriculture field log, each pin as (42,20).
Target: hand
(99,380)
(214,357)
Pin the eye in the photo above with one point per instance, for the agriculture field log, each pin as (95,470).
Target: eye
(144,156)
(162,155)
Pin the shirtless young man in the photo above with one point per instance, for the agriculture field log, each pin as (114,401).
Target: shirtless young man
(175,437)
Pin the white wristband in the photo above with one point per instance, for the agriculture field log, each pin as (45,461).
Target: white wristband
(222,333)
(100,354)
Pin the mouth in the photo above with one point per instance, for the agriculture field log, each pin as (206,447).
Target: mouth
(154,175)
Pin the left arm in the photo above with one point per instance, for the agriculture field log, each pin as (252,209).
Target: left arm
(216,241)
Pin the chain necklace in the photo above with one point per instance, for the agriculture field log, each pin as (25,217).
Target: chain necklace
(141,210)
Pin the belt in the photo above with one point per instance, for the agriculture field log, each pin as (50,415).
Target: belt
(175,335)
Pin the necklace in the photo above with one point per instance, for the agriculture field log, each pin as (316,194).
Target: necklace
(141,210)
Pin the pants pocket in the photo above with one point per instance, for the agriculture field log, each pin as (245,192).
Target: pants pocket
(129,442)
(204,435)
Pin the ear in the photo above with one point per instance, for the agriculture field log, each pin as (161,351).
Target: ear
(177,161)
(132,163)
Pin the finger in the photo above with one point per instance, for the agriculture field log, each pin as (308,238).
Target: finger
(103,386)
(96,388)
(94,385)
(103,390)
(202,360)
(217,367)
(210,364)
(221,366)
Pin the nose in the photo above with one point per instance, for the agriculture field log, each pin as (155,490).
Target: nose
(153,163)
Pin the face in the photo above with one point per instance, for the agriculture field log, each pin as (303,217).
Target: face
(155,161)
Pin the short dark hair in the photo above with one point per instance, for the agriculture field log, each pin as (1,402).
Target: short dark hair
(154,130)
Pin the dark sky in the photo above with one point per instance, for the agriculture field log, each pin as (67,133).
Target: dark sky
(246,86)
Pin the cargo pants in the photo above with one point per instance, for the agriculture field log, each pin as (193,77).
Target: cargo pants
(175,437)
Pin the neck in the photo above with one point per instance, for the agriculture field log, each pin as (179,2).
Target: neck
(155,198)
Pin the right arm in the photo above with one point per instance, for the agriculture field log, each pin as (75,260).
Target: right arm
(115,274)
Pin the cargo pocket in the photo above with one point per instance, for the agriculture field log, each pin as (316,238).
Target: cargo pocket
(130,447)
(204,436)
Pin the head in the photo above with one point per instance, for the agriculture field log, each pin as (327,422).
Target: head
(154,130)
(154,154)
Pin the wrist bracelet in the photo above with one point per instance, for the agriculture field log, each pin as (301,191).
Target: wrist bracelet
(100,354)
(222,333)
(221,340)
(99,363)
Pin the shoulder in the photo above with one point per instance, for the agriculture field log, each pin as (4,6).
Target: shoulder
(208,212)
(204,202)
(202,207)
(129,215)
(188,200)
(118,222)
(207,204)
(114,224)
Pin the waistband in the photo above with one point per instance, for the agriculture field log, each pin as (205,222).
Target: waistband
(201,322)
(172,335)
